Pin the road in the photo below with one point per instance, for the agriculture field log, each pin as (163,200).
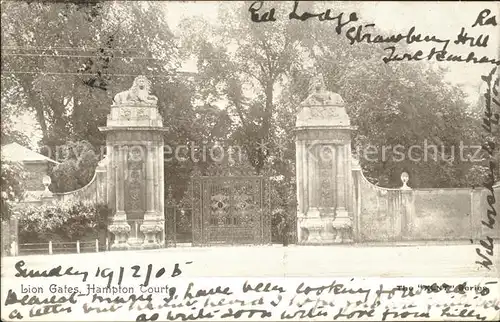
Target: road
(357,268)
(278,261)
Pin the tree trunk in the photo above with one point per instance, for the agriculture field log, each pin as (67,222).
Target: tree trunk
(41,120)
(266,125)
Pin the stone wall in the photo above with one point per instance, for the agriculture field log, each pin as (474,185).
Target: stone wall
(383,214)
(483,206)
(95,191)
(378,211)
(444,214)
(35,171)
(9,235)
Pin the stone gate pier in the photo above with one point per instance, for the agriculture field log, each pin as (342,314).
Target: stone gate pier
(134,162)
(323,168)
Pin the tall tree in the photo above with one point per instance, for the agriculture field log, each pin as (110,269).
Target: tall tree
(237,57)
(70,58)
(12,106)
(405,103)
(262,71)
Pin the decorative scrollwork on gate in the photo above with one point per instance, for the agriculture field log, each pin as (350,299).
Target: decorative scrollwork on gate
(197,225)
(231,210)
(221,209)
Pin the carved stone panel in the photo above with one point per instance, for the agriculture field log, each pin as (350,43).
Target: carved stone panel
(325,112)
(326,176)
(126,113)
(330,135)
(135,180)
(142,113)
(231,210)
(134,136)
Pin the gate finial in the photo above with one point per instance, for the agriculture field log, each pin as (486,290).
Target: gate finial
(404,178)
(170,196)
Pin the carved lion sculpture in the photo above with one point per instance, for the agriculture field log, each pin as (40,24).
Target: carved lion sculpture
(320,96)
(138,93)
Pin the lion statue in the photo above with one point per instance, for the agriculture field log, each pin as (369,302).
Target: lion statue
(138,93)
(319,95)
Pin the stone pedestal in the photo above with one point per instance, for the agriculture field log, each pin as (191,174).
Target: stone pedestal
(323,169)
(151,229)
(121,231)
(135,173)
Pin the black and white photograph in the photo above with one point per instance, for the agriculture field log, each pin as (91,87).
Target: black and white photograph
(250,160)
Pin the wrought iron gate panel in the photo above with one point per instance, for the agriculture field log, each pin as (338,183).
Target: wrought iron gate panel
(231,210)
(179,218)
(196,193)
(266,210)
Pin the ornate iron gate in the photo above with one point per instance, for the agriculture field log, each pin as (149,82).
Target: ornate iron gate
(231,210)
(178,218)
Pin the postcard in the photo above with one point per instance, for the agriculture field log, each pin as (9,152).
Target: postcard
(250,161)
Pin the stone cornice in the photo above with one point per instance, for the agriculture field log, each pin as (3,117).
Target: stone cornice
(132,128)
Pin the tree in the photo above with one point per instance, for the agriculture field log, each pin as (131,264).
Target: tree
(76,56)
(69,58)
(11,102)
(12,175)
(236,57)
(77,167)
(262,71)
(259,71)
(404,103)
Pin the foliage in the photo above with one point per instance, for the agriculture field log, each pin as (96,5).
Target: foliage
(10,98)
(237,57)
(251,78)
(283,207)
(89,51)
(77,168)
(95,50)
(12,176)
(263,72)
(61,221)
(407,104)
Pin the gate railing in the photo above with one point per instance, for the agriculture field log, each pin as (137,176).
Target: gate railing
(246,198)
(178,219)
(191,219)
(184,224)
(58,247)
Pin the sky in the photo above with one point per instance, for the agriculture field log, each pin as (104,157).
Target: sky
(442,19)
(445,20)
